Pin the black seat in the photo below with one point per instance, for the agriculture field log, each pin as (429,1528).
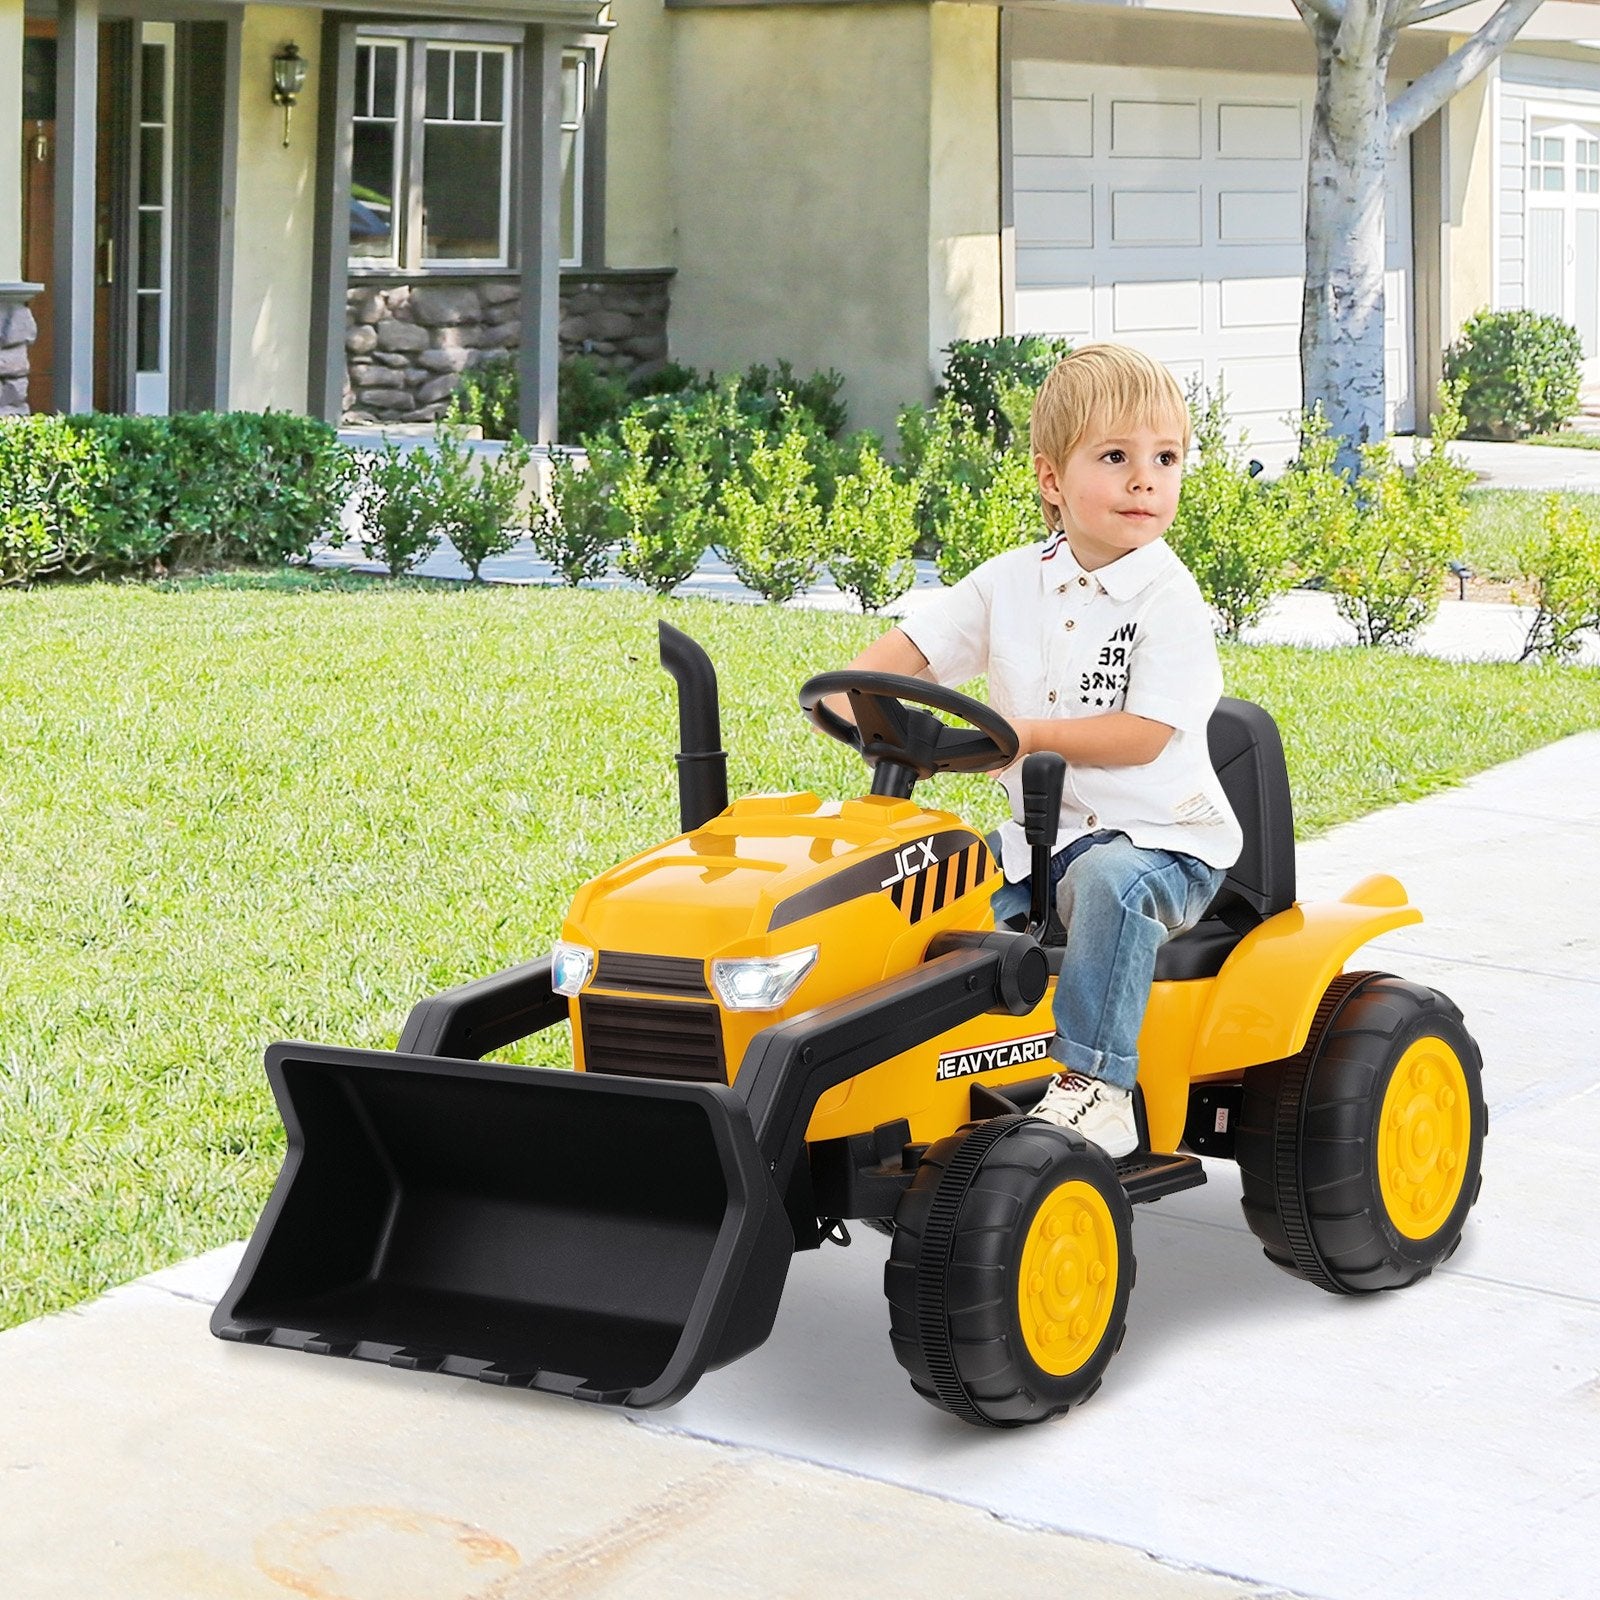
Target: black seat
(1248,756)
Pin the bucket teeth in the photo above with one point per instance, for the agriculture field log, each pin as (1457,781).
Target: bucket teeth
(416,1360)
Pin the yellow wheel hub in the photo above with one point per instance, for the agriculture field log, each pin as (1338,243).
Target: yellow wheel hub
(1068,1280)
(1424,1138)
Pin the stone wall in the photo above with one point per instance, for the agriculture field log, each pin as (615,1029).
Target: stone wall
(17,331)
(407,344)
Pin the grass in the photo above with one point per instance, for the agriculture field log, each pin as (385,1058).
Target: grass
(1500,519)
(289,807)
(1566,441)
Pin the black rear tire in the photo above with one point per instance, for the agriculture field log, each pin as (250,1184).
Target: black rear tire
(1361,1156)
(1009,1275)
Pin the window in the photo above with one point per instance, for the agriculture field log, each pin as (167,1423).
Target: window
(375,154)
(1547,163)
(574,104)
(466,157)
(432,154)
(1587,155)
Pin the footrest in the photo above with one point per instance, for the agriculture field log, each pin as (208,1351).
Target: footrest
(1148,1176)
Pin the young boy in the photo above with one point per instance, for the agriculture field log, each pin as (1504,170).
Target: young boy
(1098,645)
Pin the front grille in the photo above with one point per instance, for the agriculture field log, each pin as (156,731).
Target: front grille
(652,1039)
(619,969)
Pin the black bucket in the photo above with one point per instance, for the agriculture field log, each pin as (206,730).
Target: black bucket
(603,1238)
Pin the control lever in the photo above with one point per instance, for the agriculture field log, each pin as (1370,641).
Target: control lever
(1043,774)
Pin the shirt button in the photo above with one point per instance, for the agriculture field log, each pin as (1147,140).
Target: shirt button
(1052,697)
(1083,583)
(1069,624)
(1092,820)
(1061,588)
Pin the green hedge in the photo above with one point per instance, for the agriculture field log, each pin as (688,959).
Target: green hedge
(134,494)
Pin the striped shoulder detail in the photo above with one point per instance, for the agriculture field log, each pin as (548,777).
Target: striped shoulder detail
(1052,545)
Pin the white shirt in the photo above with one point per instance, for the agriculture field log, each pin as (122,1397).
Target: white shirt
(1057,641)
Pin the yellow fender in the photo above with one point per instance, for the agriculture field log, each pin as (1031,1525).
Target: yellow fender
(1267,992)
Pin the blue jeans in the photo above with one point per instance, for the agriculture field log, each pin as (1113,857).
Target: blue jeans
(1119,904)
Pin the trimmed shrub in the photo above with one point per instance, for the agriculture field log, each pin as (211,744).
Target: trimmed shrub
(981,524)
(1231,531)
(980,370)
(197,488)
(871,531)
(49,475)
(1518,372)
(585,520)
(1385,562)
(766,521)
(587,399)
(1562,564)
(590,402)
(401,507)
(480,496)
(486,398)
(662,482)
(946,456)
(776,396)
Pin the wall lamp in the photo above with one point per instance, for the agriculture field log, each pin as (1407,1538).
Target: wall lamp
(288,79)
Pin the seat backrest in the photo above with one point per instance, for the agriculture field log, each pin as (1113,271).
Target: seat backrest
(1248,756)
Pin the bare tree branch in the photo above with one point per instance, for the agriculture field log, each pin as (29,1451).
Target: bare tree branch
(1330,11)
(1421,11)
(1413,106)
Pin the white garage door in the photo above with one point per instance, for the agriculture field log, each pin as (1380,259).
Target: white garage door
(1166,210)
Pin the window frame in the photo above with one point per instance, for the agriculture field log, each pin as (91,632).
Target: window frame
(414,40)
(400,178)
(509,108)
(1545,163)
(585,61)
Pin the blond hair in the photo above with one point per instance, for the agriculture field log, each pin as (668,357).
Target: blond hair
(1102,386)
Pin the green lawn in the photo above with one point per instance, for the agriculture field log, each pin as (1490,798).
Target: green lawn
(1499,519)
(1567,441)
(242,811)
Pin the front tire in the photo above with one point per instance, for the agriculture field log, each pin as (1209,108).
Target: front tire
(1009,1276)
(1362,1156)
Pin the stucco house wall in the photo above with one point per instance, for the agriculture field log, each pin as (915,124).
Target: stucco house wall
(801,194)
(273,219)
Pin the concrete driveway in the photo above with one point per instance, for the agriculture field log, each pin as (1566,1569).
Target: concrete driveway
(1255,1436)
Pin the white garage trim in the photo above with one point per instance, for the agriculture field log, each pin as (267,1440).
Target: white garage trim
(1547,215)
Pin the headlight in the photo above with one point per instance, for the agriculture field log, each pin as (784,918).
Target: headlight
(761,983)
(570,966)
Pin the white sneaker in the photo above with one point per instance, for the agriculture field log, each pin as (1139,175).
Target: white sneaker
(1096,1110)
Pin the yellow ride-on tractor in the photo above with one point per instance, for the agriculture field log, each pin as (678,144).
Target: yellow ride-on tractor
(799,1012)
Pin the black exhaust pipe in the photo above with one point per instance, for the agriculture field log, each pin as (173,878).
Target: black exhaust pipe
(702,762)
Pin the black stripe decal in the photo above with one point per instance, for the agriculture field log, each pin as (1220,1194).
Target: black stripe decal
(919,898)
(884,870)
(962,862)
(941,885)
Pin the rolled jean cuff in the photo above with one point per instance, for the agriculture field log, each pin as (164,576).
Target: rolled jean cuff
(1120,1071)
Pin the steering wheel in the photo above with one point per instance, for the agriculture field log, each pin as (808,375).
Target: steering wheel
(888,730)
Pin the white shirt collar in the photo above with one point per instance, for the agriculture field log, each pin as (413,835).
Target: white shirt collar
(1122,579)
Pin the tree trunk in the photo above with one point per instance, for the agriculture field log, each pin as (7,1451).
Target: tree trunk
(1342,329)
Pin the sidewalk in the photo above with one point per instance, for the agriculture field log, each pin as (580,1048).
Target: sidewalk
(1255,1437)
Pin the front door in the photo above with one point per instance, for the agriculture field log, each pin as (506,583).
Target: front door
(38,201)
(133,239)
(1564,224)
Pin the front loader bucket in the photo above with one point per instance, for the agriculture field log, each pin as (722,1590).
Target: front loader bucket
(606,1238)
